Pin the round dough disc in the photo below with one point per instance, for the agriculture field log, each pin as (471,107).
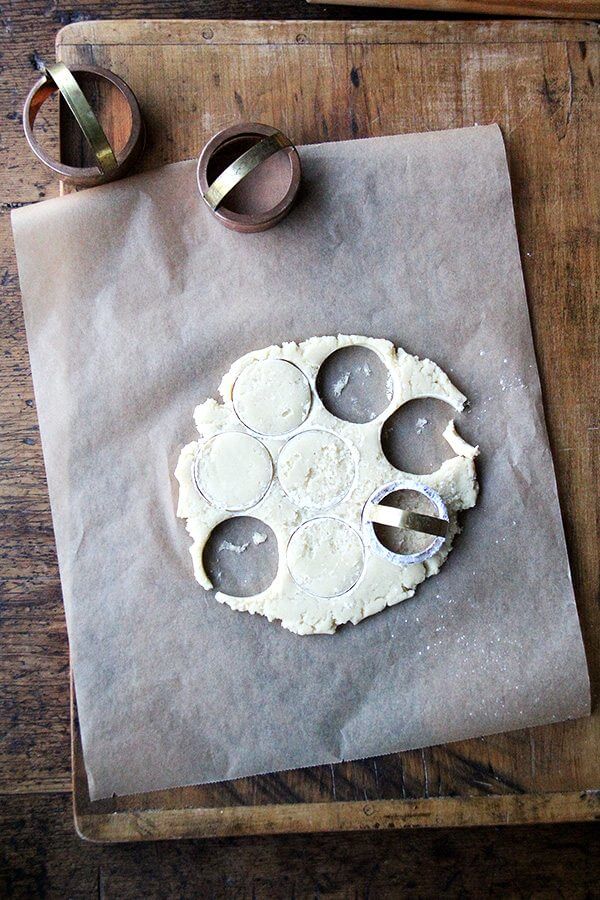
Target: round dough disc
(218,464)
(325,557)
(272,397)
(316,469)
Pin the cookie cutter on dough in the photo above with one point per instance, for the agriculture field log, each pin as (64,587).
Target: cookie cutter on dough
(374,512)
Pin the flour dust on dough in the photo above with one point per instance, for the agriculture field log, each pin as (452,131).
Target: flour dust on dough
(272,449)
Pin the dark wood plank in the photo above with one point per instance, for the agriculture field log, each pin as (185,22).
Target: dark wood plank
(44,858)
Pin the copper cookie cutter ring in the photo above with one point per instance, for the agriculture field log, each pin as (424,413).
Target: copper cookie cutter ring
(109,164)
(265,142)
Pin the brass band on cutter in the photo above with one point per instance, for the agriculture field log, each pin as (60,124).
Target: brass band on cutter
(84,115)
(242,166)
(404,518)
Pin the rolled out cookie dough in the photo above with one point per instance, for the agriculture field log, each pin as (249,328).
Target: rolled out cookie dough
(326,574)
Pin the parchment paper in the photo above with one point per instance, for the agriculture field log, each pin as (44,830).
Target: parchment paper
(136,302)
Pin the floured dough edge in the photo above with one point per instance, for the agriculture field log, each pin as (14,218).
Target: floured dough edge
(382,583)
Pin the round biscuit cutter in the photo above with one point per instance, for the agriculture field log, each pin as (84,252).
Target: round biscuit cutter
(110,164)
(375,512)
(230,157)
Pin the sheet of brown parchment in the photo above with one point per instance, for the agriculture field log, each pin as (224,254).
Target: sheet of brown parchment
(136,301)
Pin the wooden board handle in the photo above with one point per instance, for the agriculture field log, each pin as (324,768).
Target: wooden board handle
(559,9)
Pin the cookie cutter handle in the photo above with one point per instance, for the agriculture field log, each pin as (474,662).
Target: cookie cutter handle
(109,163)
(242,166)
(84,116)
(404,518)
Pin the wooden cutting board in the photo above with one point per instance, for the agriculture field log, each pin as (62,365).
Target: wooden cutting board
(338,80)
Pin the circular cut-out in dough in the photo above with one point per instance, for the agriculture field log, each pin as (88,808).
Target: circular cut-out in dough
(271,397)
(218,464)
(372,532)
(325,557)
(412,436)
(241,556)
(316,469)
(354,384)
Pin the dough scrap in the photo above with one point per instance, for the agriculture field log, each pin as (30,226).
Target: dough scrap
(380,582)
(457,443)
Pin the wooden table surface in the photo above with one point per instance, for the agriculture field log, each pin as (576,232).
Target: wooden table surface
(39,852)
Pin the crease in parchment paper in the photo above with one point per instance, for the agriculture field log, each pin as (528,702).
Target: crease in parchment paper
(135,309)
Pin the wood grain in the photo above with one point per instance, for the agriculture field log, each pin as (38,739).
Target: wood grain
(301,818)
(556,9)
(44,858)
(537,80)
(209,32)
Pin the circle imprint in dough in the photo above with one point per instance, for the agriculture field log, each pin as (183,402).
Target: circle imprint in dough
(316,469)
(325,557)
(271,396)
(412,436)
(233,470)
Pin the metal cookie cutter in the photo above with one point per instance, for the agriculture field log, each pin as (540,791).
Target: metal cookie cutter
(376,513)
(249,176)
(110,164)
